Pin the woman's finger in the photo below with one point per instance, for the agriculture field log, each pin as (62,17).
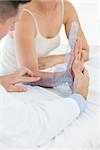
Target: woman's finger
(76,48)
(86,73)
(79,45)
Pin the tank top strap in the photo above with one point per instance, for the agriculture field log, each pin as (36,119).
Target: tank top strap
(29,12)
(62,1)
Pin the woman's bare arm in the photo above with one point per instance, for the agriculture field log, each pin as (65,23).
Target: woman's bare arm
(25,46)
(70,15)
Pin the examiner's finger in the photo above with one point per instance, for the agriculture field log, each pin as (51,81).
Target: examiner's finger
(15,88)
(27,79)
(25,71)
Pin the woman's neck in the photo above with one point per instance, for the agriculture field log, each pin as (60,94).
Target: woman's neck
(45,5)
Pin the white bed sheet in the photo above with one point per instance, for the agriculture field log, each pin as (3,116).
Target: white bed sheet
(84,133)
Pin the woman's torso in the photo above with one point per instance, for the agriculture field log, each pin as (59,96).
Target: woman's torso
(44,45)
(47,29)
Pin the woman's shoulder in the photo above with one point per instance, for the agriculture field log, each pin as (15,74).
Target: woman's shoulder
(26,23)
(68,5)
(69,9)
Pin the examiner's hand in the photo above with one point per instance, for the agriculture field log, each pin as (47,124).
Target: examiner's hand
(21,76)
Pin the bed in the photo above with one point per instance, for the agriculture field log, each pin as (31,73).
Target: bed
(84,132)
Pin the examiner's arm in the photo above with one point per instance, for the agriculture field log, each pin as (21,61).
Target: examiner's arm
(26,125)
(9,82)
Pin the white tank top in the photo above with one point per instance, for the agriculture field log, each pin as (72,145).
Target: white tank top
(45,45)
(8,59)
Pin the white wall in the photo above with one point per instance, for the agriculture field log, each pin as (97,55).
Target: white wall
(98,21)
(88,12)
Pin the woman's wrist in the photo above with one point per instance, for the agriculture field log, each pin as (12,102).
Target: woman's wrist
(81,92)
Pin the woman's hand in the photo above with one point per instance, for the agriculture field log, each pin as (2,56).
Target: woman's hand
(21,76)
(85,55)
(81,77)
(49,61)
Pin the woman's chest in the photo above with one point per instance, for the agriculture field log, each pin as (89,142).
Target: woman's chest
(49,24)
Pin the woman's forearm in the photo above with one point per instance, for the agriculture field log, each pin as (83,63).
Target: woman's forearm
(61,59)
